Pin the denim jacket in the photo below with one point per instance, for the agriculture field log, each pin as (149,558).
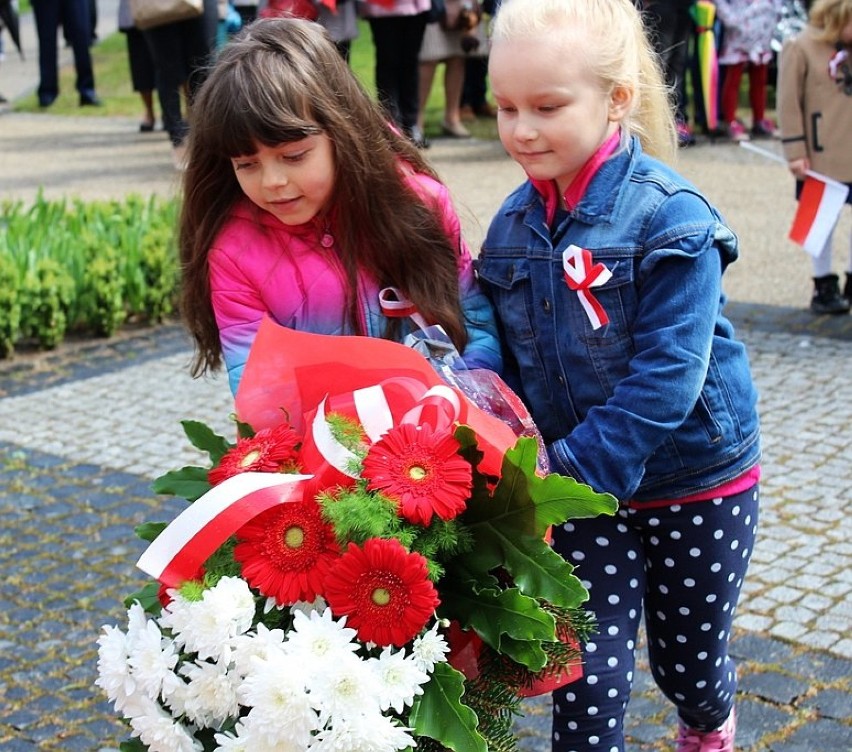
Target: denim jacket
(658,403)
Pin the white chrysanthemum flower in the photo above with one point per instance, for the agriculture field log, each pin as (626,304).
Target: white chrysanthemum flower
(261,643)
(344,688)
(430,648)
(211,695)
(306,607)
(318,637)
(364,733)
(399,679)
(137,621)
(244,739)
(178,615)
(198,628)
(152,661)
(114,676)
(232,598)
(160,732)
(176,700)
(275,690)
(206,627)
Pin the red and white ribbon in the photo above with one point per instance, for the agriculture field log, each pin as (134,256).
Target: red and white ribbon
(395,305)
(439,407)
(582,273)
(377,408)
(178,553)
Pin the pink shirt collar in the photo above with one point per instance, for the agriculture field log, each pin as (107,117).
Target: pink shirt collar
(577,189)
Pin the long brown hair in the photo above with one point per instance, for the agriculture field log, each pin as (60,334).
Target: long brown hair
(282,80)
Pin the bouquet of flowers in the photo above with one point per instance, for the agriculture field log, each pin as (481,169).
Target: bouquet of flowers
(365,572)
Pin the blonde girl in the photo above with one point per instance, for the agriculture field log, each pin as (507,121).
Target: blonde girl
(605,269)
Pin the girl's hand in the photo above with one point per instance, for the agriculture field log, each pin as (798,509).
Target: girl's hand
(799,167)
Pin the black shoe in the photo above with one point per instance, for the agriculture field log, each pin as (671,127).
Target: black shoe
(847,288)
(45,102)
(90,100)
(3,99)
(827,298)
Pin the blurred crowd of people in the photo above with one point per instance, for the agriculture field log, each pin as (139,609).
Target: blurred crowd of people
(412,39)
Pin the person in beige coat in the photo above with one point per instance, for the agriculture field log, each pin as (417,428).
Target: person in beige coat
(815,108)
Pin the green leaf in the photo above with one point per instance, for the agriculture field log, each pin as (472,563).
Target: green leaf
(535,567)
(496,612)
(189,483)
(527,502)
(132,745)
(527,653)
(440,714)
(148,597)
(508,528)
(502,618)
(204,438)
(148,531)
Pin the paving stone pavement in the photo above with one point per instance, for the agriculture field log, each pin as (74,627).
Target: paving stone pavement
(83,432)
(85,429)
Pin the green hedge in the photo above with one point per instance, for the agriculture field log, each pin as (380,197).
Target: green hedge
(84,267)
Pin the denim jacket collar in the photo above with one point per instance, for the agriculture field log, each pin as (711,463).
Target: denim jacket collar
(599,202)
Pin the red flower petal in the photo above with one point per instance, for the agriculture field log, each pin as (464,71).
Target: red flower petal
(270,450)
(383,590)
(287,551)
(421,470)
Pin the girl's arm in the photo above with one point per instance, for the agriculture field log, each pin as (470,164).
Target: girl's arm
(483,345)
(239,309)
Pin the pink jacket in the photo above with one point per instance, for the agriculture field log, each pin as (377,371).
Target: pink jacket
(259,266)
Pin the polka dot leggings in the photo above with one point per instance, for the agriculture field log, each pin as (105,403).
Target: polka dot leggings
(685,564)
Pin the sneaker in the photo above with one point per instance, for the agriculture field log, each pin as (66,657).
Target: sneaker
(737,131)
(685,136)
(765,128)
(720,740)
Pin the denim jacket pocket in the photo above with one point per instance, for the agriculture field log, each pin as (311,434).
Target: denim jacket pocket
(617,298)
(507,282)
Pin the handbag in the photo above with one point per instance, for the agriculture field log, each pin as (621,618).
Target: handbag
(290,9)
(461,15)
(147,14)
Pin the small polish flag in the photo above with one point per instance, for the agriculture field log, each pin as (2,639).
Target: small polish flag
(819,207)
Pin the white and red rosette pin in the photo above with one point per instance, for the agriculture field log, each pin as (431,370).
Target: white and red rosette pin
(582,274)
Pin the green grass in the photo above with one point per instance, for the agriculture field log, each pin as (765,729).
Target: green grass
(112,77)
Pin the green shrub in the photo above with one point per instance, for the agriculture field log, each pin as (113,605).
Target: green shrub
(84,266)
(160,271)
(100,299)
(10,307)
(46,296)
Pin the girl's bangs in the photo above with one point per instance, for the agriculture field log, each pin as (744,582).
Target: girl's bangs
(244,122)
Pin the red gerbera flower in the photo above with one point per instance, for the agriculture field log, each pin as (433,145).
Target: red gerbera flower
(287,551)
(421,470)
(383,590)
(270,450)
